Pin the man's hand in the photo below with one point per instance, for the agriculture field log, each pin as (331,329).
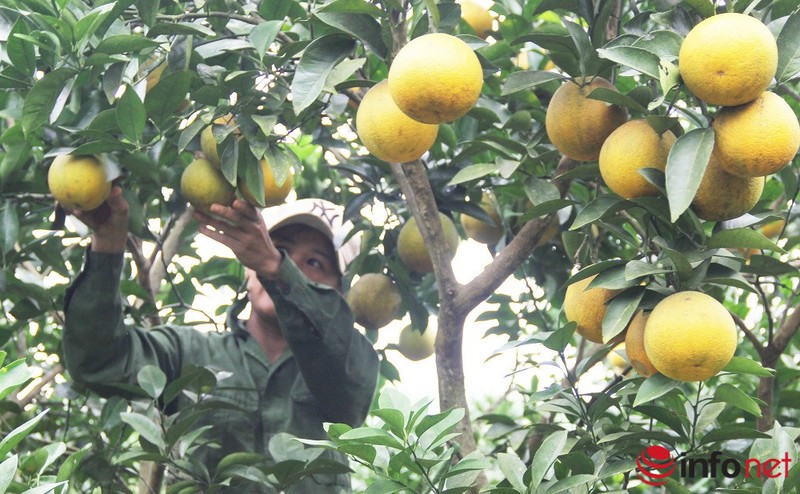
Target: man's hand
(241,228)
(109,223)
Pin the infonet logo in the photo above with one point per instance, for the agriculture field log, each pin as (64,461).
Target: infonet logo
(655,465)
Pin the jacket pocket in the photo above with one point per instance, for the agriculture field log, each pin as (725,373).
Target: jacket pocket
(301,394)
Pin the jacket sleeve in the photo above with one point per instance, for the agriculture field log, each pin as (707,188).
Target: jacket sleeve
(99,349)
(337,362)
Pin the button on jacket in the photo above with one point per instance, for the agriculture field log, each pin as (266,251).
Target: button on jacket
(328,374)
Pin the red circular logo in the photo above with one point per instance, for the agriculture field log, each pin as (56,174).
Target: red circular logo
(654,465)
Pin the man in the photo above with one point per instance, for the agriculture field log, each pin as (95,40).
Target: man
(296,361)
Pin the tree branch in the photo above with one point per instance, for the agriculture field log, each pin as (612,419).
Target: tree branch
(749,335)
(46,379)
(787,331)
(415,185)
(509,259)
(169,247)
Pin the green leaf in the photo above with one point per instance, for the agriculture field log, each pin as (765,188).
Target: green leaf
(145,427)
(560,338)
(352,7)
(125,43)
(69,465)
(731,431)
(392,398)
(18,434)
(662,123)
(131,114)
(616,98)
(433,428)
(744,238)
(588,60)
(540,191)
(595,268)
(597,209)
(152,379)
(317,61)
(103,146)
(361,26)
(545,456)
(165,98)
(730,394)
(41,99)
(635,270)
(571,482)
(520,81)
(385,486)
(371,435)
(679,262)
(653,387)
(664,43)
(180,29)
(620,311)
(12,376)
(545,208)
(189,133)
(473,172)
(148,10)
(263,35)
(513,469)
(20,51)
(686,166)
(744,365)
(393,418)
(768,266)
(703,7)
(9,229)
(789,49)
(8,470)
(638,59)
(85,28)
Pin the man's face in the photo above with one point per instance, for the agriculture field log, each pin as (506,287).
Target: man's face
(310,250)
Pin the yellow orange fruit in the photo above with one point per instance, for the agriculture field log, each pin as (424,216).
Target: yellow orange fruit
(757,138)
(576,125)
(631,147)
(208,143)
(728,59)
(375,300)
(722,196)
(202,185)
(154,76)
(78,182)
(634,345)
(415,345)
(690,336)
(387,132)
(773,228)
(477,16)
(587,308)
(615,359)
(274,194)
(479,230)
(435,78)
(411,246)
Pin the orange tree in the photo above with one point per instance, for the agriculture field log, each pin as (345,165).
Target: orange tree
(139,82)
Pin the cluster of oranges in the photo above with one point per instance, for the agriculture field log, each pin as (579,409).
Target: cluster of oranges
(688,336)
(728,60)
(435,78)
(203,183)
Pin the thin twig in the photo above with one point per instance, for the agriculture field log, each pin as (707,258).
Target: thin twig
(749,335)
